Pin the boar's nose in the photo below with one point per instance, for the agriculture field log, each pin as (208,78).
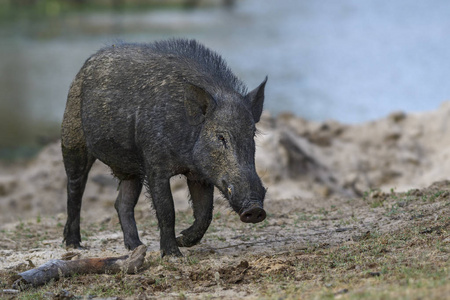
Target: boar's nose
(253,215)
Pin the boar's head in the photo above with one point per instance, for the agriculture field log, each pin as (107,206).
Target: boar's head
(224,153)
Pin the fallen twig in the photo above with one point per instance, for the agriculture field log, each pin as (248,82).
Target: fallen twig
(57,268)
(249,244)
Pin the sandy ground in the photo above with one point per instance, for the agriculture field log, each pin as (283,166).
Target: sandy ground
(323,179)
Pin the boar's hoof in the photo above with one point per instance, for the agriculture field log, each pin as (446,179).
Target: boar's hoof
(133,245)
(171,253)
(253,215)
(187,241)
(75,246)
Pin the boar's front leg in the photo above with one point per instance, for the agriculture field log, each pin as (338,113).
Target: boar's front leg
(162,200)
(126,201)
(202,204)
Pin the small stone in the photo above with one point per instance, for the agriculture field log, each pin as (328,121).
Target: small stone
(340,292)
(323,191)
(397,116)
(217,276)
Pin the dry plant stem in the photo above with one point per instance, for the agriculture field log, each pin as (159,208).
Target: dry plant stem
(57,268)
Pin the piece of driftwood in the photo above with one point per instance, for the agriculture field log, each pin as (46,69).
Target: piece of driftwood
(301,163)
(57,268)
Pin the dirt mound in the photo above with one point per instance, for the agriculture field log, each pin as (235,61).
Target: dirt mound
(400,151)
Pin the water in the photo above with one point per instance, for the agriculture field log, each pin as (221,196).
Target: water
(346,60)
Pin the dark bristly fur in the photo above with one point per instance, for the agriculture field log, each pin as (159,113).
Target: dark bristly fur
(207,61)
(151,111)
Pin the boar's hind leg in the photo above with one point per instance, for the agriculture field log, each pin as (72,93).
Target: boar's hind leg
(202,204)
(126,201)
(77,163)
(162,200)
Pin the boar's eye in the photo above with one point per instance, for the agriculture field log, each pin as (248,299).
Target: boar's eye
(222,139)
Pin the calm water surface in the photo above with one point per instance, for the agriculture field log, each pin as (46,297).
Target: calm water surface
(346,60)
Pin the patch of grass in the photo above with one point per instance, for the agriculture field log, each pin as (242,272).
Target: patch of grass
(323,211)
(375,197)
(263,224)
(192,260)
(56,8)
(301,217)
(393,210)
(390,266)
(438,194)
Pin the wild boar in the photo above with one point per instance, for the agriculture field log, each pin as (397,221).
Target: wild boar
(152,111)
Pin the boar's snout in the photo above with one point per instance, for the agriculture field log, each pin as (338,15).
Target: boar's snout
(254,214)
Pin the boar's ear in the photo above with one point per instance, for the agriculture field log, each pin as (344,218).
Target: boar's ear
(256,100)
(197,102)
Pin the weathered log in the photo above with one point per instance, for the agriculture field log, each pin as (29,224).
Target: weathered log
(301,163)
(57,268)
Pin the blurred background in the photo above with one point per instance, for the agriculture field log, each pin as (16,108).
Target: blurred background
(346,60)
